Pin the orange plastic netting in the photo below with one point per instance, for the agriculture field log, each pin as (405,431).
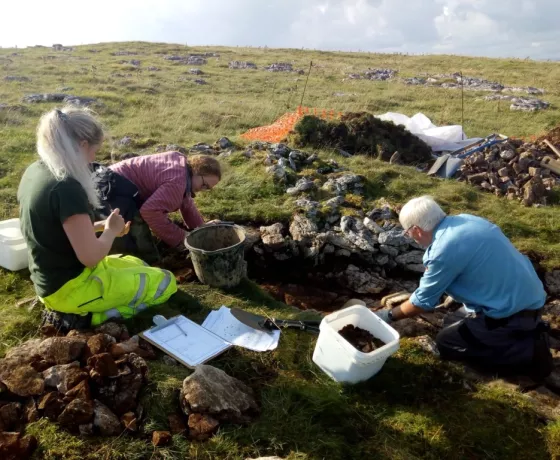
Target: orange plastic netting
(279,130)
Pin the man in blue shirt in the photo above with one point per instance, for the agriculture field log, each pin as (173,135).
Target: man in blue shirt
(471,260)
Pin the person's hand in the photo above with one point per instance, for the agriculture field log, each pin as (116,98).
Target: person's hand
(383,315)
(115,223)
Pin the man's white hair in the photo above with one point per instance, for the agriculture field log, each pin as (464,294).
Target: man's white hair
(422,212)
(58,144)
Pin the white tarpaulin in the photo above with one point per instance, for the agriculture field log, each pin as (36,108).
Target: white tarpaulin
(442,138)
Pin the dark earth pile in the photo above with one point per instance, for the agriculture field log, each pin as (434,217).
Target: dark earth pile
(361,133)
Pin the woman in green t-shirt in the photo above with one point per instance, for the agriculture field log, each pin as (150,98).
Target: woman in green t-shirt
(69,266)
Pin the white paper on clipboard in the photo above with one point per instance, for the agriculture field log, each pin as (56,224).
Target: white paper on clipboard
(222,323)
(186,341)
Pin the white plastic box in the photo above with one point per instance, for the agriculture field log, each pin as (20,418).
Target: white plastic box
(13,249)
(341,360)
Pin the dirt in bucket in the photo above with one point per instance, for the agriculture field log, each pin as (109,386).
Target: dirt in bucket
(361,339)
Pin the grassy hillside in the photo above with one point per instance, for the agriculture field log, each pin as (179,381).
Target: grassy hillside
(418,407)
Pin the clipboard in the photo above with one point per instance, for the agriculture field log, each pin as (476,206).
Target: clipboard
(187,342)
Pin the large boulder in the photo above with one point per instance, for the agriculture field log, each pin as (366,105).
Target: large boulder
(213,392)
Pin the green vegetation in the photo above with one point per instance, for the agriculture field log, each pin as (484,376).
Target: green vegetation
(417,407)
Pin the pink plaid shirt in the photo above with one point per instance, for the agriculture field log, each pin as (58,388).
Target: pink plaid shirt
(162,184)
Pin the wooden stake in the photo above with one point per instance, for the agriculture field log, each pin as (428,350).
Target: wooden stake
(306,80)
(554,149)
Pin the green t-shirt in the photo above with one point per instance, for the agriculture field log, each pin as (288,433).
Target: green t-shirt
(45,203)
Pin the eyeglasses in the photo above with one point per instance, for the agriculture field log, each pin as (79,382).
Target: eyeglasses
(405,233)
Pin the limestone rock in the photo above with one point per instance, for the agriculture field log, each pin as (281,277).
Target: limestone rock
(29,412)
(302,185)
(21,380)
(391,251)
(358,234)
(102,365)
(211,391)
(347,183)
(412,327)
(176,424)
(161,438)
(80,391)
(118,331)
(99,343)
(302,228)
(10,414)
(427,344)
(129,421)
(14,446)
(62,350)
(411,257)
(77,412)
(27,352)
(63,377)
(552,282)
(361,281)
(202,426)
(393,238)
(278,172)
(105,421)
(133,345)
(51,405)
(272,236)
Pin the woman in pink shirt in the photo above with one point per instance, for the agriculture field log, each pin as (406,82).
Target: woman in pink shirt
(167,182)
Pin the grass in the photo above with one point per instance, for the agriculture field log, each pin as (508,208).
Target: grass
(417,407)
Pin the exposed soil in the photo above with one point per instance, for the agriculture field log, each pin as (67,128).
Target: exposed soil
(361,339)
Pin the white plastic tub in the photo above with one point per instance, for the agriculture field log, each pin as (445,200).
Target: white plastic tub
(341,360)
(13,250)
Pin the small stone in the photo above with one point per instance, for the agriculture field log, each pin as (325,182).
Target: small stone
(133,345)
(361,281)
(105,421)
(129,421)
(9,416)
(392,238)
(102,365)
(80,391)
(15,447)
(30,412)
(63,377)
(77,412)
(176,424)
(169,360)
(272,236)
(51,405)
(86,430)
(119,331)
(161,438)
(411,257)
(99,343)
(224,143)
(202,426)
(389,250)
(428,344)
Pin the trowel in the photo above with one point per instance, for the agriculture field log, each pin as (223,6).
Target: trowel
(262,323)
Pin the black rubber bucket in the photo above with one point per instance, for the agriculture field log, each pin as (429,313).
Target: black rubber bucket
(217,253)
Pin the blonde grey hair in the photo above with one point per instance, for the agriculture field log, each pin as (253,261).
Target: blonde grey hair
(422,212)
(59,134)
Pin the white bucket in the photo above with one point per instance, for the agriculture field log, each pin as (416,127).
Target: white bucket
(13,249)
(339,359)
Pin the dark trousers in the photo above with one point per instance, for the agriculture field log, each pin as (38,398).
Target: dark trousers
(138,242)
(495,344)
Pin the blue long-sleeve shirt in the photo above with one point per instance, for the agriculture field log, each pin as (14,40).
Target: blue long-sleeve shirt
(472,260)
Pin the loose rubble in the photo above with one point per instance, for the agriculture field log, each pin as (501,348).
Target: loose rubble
(16,78)
(282,67)
(374,74)
(512,169)
(84,381)
(242,65)
(520,103)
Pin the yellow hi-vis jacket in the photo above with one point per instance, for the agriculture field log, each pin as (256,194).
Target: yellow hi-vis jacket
(117,287)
